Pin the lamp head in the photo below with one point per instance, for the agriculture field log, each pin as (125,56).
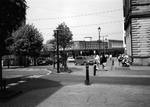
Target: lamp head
(99,29)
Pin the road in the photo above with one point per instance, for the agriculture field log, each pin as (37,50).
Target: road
(68,89)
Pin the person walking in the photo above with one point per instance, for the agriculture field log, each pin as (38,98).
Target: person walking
(103,62)
(97,58)
(120,58)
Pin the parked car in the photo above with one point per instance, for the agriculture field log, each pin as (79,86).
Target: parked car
(91,60)
(84,60)
(41,62)
(44,61)
(70,59)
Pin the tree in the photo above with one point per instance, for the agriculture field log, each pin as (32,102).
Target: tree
(50,46)
(13,15)
(28,41)
(64,38)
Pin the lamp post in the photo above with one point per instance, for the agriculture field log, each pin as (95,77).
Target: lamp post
(99,30)
(56,31)
(87,81)
(54,57)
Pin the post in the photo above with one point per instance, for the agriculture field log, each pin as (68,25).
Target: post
(99,29)
(104,44)
(87,81)
(94,68)
(57,53)
(54,59)
(112,65)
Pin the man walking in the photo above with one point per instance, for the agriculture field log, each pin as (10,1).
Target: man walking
(103,62)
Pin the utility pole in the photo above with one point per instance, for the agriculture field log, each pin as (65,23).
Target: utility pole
(58,61)
(99,30)
(57,53)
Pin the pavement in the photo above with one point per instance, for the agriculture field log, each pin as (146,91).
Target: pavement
(40,91)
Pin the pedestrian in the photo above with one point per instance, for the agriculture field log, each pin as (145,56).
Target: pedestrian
(112,64)
(2,62)
(97,58)
(120,58)
(103,62)
(110,57)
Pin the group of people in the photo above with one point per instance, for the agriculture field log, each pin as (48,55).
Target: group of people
(124,60)
(101,60)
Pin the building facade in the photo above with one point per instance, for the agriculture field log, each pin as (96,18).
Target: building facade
(114,47)
(137,27)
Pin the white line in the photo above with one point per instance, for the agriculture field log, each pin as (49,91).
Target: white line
(21,81)
(49,72)
(13,84)
(141,76)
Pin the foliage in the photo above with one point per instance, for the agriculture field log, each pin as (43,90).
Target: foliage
(64,35)
(9,47)
(12,17)
(47,47)
(51,41)
(28,41)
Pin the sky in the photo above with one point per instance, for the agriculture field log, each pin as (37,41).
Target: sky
(83,17)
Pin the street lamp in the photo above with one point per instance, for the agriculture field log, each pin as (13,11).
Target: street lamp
(54,57)
(99,30)
(56,32)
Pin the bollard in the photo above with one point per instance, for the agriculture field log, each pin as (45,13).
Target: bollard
(94,70)
(112,66)
(87,81)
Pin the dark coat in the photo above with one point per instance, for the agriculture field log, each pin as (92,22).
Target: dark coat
(103,59)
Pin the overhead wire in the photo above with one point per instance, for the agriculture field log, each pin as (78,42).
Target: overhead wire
(75,16)
(86,25)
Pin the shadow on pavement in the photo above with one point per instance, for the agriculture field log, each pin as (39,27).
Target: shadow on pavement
(122,80)
(35,91)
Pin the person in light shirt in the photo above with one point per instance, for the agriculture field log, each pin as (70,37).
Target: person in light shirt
(97,62)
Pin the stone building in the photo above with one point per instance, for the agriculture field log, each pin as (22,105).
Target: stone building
(137,27)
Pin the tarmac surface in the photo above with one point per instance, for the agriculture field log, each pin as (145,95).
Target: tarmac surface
(38,90)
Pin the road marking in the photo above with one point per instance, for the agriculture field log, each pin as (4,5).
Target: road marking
(13,84)
(21,81)
(35,76)
(141,76)
(49,72)
(7,86)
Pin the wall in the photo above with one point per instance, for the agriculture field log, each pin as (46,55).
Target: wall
(137,14)
(141,40)
(128,41)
